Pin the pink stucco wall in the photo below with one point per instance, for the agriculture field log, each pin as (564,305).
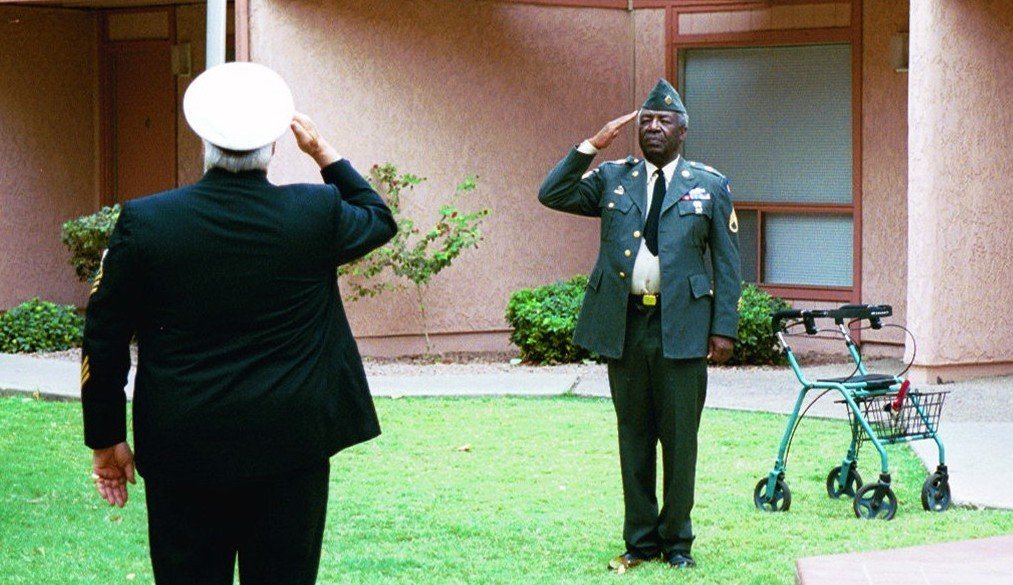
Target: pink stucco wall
(48,97)
(884,166)
(960,244)
(447,89)
(190,28)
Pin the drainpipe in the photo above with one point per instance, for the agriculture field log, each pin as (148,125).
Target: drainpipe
(216,33)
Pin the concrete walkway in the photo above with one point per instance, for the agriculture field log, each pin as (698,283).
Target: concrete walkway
(983,561)
(976,425)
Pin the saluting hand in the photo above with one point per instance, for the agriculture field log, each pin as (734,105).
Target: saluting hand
(310,141)
(608,133)
(112,468)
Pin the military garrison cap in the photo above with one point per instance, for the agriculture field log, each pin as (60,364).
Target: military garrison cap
(664,98)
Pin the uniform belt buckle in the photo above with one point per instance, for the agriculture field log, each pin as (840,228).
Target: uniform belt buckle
(650,300)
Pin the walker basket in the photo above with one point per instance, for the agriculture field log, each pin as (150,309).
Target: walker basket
(904,423)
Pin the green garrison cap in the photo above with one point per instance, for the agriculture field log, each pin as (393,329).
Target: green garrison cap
(664,98)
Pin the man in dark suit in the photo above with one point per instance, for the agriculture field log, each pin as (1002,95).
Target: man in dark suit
(248,377)
(653,310)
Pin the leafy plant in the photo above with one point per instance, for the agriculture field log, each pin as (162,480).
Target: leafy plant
(757,344)
(543,320)
(86,237)
(413,256)
(36,325)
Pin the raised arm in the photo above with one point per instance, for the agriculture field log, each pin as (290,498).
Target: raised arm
(567,187)
(363,220)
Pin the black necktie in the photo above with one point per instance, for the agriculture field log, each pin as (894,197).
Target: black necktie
(651,227)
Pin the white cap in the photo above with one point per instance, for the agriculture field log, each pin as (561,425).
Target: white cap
(239,106)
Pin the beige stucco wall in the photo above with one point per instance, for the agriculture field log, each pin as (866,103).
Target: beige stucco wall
(884,166)
(48,109)
(959,189)
(447,89)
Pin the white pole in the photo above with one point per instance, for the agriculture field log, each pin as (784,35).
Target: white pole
(216,33)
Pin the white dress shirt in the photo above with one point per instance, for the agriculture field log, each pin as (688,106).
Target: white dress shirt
(647,269)
(646,277)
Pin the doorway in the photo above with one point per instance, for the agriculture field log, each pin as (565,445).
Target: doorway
(138,96)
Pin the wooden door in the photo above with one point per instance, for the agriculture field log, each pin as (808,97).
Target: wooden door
(142,127)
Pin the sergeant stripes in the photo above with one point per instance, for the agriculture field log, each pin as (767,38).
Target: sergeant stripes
(85,371)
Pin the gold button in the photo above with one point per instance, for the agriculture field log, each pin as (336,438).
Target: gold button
(636,173)
(636,234)
(628,253)
(622,275)
(611,205)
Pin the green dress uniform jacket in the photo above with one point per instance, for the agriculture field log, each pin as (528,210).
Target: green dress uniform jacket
(696,215)
(247,366)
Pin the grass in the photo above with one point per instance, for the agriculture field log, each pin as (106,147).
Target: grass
(500,490)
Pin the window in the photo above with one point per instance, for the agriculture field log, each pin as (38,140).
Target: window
(777,121)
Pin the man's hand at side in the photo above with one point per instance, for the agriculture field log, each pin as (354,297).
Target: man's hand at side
(112,468)
(720,349)
(310,141)
(608,133)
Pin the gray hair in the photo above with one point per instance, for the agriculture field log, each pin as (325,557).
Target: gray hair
(235,161)
(682,119)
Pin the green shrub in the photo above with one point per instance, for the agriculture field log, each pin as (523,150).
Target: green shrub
(86,237)
(36,325)
(757,344)
(543,320)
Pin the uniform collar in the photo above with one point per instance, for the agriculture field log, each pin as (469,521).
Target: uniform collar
(216,175)
(668,169)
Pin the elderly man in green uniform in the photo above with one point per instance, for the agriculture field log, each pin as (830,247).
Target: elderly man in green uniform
(653,310)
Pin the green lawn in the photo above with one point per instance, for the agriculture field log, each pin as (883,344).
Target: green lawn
(498,490)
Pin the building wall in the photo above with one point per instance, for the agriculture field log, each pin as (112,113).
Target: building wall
(190,28)
(447,89)
(884,166)
(48,110)
(959,196)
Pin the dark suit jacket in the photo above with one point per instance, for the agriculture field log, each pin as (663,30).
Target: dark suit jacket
(247,365)
(693,306)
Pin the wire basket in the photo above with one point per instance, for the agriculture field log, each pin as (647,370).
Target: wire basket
(903,423)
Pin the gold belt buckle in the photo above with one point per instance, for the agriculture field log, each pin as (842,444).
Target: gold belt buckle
(650,300)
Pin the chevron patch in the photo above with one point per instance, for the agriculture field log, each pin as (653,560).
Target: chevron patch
(85,371)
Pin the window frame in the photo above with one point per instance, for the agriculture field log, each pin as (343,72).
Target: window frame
(851,35)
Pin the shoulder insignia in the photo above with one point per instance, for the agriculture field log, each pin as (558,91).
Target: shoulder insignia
(628,161)
(733,222)
(707,168)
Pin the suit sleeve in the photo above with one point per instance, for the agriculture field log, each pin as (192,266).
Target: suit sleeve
(110,322)
(567,187)
(727,268)
(363,221)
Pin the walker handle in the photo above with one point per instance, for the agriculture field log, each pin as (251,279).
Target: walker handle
(783,315)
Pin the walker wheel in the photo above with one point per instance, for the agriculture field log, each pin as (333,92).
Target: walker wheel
(851,486)
(779,502)
(875,501)
(936,492)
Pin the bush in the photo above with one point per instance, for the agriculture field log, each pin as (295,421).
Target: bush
(36,325)
(87,237)
(757,344)
(543,320)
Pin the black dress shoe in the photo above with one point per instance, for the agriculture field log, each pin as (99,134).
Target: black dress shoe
(681,560)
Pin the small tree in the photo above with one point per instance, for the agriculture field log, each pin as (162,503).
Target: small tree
(414,255)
